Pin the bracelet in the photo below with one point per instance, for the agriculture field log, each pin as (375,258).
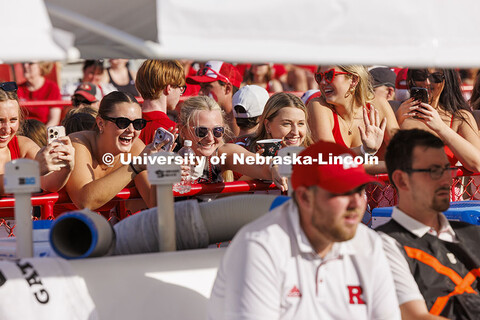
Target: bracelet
(133,168)
(362,150)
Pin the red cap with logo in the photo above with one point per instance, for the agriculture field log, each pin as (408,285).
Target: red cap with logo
(217,71)
(336,178)
(89,91)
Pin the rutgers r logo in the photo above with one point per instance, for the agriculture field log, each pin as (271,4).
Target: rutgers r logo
(354,293)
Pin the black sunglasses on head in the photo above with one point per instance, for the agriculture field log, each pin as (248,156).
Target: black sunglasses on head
(122,122)
(9,86)
(202,132)
(436,77)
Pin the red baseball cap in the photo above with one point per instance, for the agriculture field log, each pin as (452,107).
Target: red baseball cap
(336,178)
(217,71)
(89,91)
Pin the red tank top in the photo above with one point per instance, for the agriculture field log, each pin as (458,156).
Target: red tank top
(14,149)
(337,134)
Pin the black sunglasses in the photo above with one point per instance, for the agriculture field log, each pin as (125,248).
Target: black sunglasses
(9,86)
(122,122)
(202,132)
(436,77)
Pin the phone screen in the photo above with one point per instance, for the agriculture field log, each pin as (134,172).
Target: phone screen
(420,94)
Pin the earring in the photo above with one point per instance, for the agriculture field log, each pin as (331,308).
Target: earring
(349,92)
(100,130)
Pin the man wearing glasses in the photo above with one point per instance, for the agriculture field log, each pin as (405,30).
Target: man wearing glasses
(435,263)
(220,81)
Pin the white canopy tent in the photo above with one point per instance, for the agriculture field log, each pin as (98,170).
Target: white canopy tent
(408,32)
(28,34)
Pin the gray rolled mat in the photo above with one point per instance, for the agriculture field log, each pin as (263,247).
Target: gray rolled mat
(139,233)
(224,217)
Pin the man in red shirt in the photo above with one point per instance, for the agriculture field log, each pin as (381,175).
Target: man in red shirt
(160,83)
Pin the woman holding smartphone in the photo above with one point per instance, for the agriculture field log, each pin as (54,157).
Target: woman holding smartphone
(347,112)
(100,175)
(203,122)
(446,114)
(56,159)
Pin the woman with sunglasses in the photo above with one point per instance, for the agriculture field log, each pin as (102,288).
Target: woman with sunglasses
(446,114)
(56,160)
(347,112)
(99,174)
(203,122)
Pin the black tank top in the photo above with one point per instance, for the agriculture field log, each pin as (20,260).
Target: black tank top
(130,87)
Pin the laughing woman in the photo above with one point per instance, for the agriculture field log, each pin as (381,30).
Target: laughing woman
(347,111)
(100,175)
(56,159)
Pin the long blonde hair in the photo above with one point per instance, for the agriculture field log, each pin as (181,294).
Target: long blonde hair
(363,92)
(274,104)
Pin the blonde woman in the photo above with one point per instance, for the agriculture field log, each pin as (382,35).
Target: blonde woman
(347,112)
(203,122)
(56,160)
(284,117)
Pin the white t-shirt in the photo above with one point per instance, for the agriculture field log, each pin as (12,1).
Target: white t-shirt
(405,284)
(270,271)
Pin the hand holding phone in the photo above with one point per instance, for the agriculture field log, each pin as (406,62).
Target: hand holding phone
(420,94)
(55,132)
(162,135)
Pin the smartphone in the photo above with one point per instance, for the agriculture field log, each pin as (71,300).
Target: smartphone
(420,94)
(161,135)
(55,132)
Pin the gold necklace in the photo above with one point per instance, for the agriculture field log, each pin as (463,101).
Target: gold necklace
(351,122)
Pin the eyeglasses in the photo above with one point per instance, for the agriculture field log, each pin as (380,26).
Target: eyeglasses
(419,75)
(202,132)
(9,86)
(122,122)
(205,70)
(437,172)
(182,89)
(328,75)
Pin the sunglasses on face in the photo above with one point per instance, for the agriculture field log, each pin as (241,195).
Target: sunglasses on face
(122,122)
(205,70)
(9,86)
(327,75)
(202,132)
(435,77)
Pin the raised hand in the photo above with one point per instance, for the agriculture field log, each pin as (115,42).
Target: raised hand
(372,135)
